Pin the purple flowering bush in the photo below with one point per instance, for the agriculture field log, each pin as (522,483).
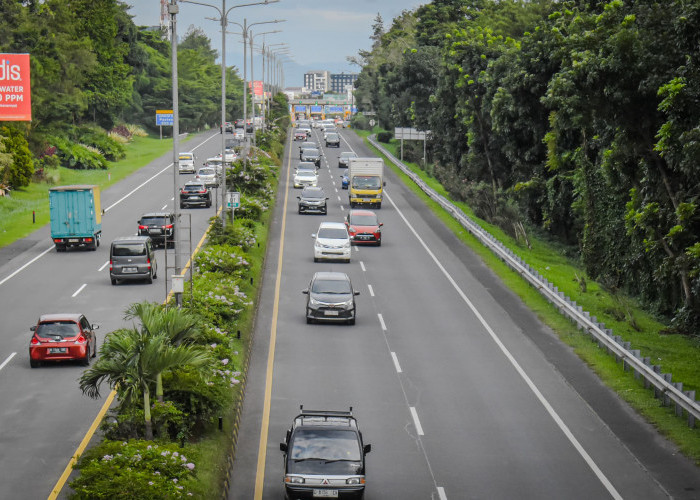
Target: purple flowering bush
(135,469)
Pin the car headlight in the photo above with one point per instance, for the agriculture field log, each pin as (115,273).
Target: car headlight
(347,305)
(313,302)
(294,479)
(354,480)
(346,244)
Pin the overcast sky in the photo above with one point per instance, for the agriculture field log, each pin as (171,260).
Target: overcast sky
(320,33)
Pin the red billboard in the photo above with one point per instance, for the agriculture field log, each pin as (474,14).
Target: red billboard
(257,87)
(15,88)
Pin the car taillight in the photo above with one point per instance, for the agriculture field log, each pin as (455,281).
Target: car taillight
(169,226)
(57,240)
(202,192)
(111,267)
(88,240)
(35,341)
(143,227)
(148,262)
(81,339)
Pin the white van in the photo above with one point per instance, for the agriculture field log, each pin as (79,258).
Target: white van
(186,162)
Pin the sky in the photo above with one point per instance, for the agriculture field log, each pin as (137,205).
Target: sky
(320,34)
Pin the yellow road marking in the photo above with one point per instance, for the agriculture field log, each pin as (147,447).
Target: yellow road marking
(262,448)
(91,431)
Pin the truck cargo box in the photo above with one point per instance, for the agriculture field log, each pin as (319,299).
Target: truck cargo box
(76,216)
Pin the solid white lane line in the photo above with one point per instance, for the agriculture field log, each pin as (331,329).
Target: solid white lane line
(164,207)
(416,422)
(441,493)
(103,266)
(381,320)
(535,390)
(7,360)
(396,363)
(362,265)
(371,290)
(79,290)
(28,264)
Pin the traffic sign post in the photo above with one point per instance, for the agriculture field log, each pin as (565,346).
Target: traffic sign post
(164,117)
(233,201)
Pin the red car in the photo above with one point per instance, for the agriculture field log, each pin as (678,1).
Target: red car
(364,227)
(300,135)
(62,337)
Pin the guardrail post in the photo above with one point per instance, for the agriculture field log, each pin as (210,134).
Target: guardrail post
(691,418)
(637,354)
(647,361)
(657,392)
(679,408)
(667,400)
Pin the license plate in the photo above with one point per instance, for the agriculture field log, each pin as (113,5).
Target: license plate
(154,231)
(325,493)
(127,270)
(73,240)
(331,313)
(58,350)
(363,237)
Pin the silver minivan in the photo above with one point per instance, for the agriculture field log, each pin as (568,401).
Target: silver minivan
(132,258)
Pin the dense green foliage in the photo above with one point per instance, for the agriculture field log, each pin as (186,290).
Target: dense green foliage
(579,119)
(93,70)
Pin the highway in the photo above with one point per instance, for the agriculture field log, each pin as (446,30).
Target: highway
(43,414)
(459,388)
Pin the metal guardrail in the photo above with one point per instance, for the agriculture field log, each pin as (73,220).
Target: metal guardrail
(661,382)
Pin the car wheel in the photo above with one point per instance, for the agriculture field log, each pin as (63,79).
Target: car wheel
(86,360)
(209,205)
(155,274)
(351,321)
(114,281)
(149,280)
(60,248)
(93,247)
(309,320)
(315,259)
(94,348)
(300,210)
(379,243)
(347,261)
(34,363)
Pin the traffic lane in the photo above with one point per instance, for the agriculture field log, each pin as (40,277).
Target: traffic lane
(439,303)
(69,411)
(345,366)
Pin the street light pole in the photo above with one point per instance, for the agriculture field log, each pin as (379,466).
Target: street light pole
(173,10)
(252,78)
(223,13)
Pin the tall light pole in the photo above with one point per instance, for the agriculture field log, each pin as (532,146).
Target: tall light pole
(223,18)
(245,27)
(270,55)
(252,78)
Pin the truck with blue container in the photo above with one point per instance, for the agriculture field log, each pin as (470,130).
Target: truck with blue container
(76,216)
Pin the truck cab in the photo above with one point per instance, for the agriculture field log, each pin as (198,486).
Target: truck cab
(366,182)
(324,456)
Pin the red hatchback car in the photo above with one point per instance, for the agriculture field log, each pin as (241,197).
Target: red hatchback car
(62,337)
(364,227)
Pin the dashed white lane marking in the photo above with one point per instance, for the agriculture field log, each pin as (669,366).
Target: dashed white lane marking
(339,198)
(79,290)
(164,207)
(7,360)
(103,266)
(416,422)
(396,363)
(342,208)
(362,265)
(371,290)
(381,320)
(441,493)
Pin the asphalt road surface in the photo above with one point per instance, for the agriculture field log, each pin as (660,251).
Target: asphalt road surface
(43,414)
(461,391)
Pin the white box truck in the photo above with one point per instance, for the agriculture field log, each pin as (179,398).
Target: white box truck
(366,182)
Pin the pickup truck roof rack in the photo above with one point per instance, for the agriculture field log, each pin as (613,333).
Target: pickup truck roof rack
(325,414)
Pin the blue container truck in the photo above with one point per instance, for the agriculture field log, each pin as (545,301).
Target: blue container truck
(76,216)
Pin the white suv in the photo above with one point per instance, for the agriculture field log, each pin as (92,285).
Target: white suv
(332,242)
(186,162)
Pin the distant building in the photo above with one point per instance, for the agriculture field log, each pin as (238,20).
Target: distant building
(340,82)
(317,81)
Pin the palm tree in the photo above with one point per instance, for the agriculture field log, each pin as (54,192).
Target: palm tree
(178,326)
(131,360)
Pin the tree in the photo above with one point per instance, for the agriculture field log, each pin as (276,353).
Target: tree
(131,360)
(16,163)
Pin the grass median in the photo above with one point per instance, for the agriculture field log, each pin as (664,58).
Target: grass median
(677,354)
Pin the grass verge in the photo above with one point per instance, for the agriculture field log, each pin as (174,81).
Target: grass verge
(16,219)
(676,354)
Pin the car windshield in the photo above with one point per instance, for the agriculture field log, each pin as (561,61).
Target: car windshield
(363,220)
(194,187)
(63,329)
(332,136)
(331,286)
(153,221)
(348,155)
(306,173)
(333,233)
(206,171)
(366,182)
(128,249)
(184,156)
(325,444)
(310,152)
(313,193)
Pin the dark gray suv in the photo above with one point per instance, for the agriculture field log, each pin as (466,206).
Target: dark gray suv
(324,456)
(330,298)
(313,199)
(160,226)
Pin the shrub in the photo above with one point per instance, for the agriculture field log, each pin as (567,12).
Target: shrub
(360,122)
(133,469)
(77,156)
(219,258)
(384,137)
(111,149)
